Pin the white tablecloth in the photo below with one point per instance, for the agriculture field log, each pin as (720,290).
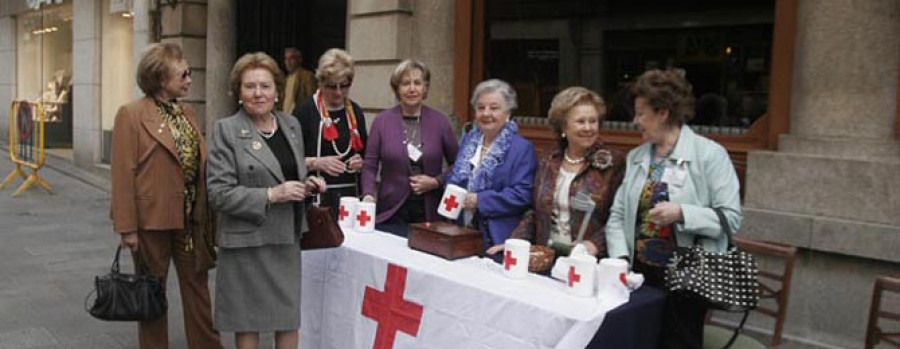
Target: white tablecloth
(466,303)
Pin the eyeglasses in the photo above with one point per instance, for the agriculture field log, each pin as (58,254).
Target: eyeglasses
(186,74)
(342,86)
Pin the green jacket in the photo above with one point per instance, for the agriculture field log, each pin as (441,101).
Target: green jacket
(710,181)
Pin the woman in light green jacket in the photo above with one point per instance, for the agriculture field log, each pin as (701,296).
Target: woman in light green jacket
(644,225)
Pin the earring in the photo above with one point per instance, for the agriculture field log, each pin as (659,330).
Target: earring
(276,99)
(241,102)
(563,135)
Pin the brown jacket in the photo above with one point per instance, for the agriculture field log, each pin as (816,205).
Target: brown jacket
(147,180)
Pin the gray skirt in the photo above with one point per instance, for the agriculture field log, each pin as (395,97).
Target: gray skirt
(258,289)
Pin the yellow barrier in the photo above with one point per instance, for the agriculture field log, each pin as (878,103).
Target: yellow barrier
(26,126)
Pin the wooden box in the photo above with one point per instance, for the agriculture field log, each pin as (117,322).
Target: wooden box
(445,239)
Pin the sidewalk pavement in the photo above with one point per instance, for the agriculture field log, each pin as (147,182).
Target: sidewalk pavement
(52,246)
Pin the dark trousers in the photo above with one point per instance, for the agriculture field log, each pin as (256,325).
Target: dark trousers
(158,249)
(412,211)
(682,325)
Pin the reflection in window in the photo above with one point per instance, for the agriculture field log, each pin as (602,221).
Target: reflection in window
(543,46)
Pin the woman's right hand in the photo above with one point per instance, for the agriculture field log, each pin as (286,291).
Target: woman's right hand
(496,248)
(288,191)
(130,240)
(332,165)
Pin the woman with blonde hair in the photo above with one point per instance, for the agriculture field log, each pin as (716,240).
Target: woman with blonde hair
(334,128)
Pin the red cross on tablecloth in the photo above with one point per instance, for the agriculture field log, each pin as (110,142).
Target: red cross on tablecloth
(509,261)
(343,213)
(450,203)
(573,277)
(390,310)
(363,218)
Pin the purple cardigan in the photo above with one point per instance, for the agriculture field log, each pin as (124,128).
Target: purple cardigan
(385,148)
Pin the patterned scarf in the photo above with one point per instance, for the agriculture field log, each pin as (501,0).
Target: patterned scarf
(479,178)
(187,145)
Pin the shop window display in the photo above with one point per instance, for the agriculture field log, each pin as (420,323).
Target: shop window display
(44,68)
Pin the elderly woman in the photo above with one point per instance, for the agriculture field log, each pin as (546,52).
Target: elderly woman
(334,128)
(257,184)
(495,165)
(699,177)
(580,165)
(158,205)
(408,144)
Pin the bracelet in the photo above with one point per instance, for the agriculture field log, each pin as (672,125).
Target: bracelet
(268,195)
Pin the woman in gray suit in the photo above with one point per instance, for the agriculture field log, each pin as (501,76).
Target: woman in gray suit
(257,183)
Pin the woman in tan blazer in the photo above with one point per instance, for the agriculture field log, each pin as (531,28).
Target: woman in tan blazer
(158,202)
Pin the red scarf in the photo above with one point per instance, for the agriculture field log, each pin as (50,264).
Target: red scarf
(329,129)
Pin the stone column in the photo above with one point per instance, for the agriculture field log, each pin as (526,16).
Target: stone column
(383,33)
(184,23)
(141,33)
(7,73)
(221,48)
(831,188)
(86,36)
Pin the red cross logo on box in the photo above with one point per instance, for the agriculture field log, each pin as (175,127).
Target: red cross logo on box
(573,277)
(450,203)
(509,261)
(343,213)
(390,310)
(363,218)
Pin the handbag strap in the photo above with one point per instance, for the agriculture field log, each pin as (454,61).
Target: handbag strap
(726,228)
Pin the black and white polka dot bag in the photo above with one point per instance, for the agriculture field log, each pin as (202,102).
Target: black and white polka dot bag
(725,281)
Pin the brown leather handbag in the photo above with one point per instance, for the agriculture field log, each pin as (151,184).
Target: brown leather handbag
(323,232)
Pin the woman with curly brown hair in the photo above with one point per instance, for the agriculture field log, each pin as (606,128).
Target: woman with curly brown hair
(581,164)
(645,227)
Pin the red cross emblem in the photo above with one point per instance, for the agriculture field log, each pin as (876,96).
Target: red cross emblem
(343,213)
(509,261)
(573,277)
(363,218)
(450,203)
(390,310)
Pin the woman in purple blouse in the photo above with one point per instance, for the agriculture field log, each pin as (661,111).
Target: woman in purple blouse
(408,144)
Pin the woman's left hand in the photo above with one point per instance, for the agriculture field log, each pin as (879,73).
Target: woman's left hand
(355,163)
(421,184)
(666,213)
(315,184)
(471,202)
(496,248)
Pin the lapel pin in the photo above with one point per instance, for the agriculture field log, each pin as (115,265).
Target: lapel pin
(245,132)
(257,145)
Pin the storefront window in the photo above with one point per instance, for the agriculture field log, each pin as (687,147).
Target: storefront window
(44,68)
(117,78)
(724,47)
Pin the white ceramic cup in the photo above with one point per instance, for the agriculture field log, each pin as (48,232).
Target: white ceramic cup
(452,201)
(516,254)
(581,276)
(364,219)
(611,276)
(347,212)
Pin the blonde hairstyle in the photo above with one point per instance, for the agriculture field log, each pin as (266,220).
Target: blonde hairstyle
(567,99)
(335,63)
(667,90)
(406,67)
(155,66)
(252,61)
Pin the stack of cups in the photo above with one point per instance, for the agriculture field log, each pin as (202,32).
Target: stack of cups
(347,212)
(516,255)
(364,221)
(581,276)
(611,278)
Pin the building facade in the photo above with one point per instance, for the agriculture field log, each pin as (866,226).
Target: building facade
(810,93)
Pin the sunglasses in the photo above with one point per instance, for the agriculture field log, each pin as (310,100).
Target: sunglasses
(342,86)
(186,74)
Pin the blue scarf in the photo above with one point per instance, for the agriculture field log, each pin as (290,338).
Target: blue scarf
(481,178)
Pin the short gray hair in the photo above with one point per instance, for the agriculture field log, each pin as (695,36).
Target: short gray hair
(499,86)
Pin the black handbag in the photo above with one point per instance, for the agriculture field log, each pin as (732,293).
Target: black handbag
(127,297)
(726,281)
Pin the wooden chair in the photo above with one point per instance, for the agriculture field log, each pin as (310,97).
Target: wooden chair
(774,285)
(875,334)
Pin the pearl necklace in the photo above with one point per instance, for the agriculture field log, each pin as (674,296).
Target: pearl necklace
(570,160)
(268,135)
